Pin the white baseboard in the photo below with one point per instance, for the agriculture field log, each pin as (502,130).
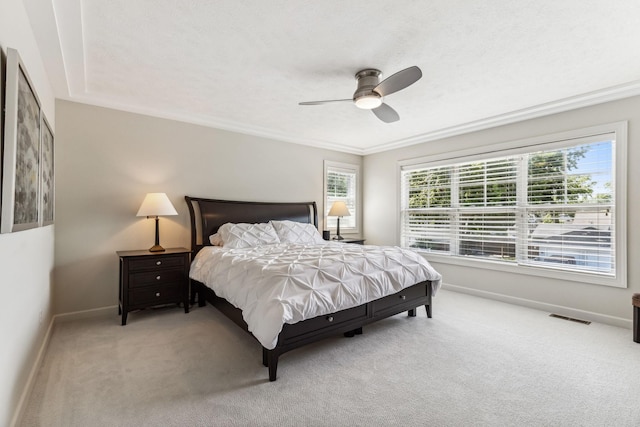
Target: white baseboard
(551,308)
(57,318)
(17,415)
(86,314)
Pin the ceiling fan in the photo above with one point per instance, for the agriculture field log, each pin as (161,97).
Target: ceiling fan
(371,91)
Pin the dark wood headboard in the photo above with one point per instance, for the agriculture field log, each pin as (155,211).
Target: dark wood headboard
(207,215)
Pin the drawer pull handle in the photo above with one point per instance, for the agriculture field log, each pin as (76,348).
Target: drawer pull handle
(403,297)
(159,263)
(157,294)
(157,277)
(330,319)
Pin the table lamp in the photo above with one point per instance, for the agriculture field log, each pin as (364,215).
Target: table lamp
(339,209)
(154,205)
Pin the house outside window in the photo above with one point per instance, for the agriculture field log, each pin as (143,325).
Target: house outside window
(341,183)
(548,205)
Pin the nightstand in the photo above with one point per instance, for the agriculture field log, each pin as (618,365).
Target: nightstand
(354,241)
(148,279)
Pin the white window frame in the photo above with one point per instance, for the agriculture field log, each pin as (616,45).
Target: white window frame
(344,168)
(546,142)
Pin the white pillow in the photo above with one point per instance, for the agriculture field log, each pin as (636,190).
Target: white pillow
(216,240)
(244,235)
(297,232)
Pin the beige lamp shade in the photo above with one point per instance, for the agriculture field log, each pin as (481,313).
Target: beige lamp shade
(339,209)
(156,204)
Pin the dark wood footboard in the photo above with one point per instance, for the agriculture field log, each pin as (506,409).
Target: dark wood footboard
(348,322)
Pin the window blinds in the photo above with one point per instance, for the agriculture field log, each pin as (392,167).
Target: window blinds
(341,186)
(551,208)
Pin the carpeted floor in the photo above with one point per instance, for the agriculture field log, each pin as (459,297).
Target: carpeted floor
(477,362)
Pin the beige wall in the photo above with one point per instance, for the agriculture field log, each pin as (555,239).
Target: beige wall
(26,258)
(594,302)
(107,160)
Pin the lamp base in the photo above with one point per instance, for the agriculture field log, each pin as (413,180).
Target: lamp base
(157,247)
(338,237)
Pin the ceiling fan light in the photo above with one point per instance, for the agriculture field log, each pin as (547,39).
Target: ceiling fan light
(369,102)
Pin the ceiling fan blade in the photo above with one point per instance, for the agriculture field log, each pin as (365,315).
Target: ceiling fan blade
(324,102)
(398,81)
(386,113)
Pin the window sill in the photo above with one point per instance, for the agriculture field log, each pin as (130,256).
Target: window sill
(593,279)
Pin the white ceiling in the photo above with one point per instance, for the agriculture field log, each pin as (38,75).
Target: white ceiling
(245,65)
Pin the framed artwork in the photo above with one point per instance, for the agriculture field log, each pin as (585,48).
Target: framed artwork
(47,176)
(1,137)
(21,162)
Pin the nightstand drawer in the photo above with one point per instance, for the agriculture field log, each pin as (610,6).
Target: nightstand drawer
(156,277)
(156,262)
(153,295)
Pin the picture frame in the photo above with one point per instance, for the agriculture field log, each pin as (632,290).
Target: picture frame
(22,149)
(47,173)
(2,109)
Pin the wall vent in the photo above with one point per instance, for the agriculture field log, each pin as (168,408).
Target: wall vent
(585,322)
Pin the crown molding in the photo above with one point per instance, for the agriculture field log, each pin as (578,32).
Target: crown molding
(585,100)
(212,122)
(613,93)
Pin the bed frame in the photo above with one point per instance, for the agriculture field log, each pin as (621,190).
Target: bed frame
(207,215)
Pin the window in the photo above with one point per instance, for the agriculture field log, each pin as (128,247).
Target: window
(549,205)
(341,184)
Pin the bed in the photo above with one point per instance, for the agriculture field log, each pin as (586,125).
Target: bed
(210,217)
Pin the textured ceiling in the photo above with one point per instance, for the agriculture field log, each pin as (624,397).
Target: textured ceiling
(245,65)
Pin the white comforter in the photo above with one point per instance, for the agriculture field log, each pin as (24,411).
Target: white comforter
(287,283)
